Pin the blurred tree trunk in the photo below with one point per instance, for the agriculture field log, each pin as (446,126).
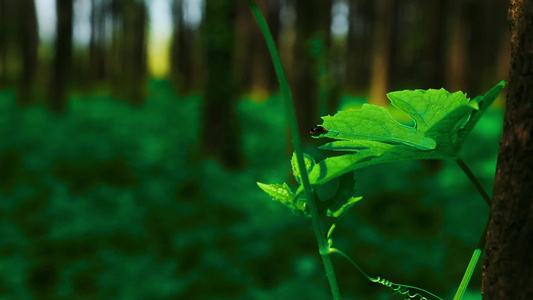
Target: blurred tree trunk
(256,71)
(97,41)
(358,51)
(220,133)
(115,63)
(508,271)
(181,50)
(29,42)
(3,41)
(313,20)
(247,35)
(379,77)
(457,47)
(274,23)
(263,69)
(486,21)
(129,50)
(135,56)
(63,57)
(434,53)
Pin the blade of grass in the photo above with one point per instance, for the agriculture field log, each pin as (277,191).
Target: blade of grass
(297,144)
(471,265)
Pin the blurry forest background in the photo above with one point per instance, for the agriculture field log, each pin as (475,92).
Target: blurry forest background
(133,133)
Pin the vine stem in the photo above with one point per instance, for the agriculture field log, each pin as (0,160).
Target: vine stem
(323,246)
(481,243)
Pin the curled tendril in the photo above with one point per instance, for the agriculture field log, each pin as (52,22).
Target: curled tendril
(402,289)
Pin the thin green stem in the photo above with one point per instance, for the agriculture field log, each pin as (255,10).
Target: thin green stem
(481,243)
(474,181)
(297,144)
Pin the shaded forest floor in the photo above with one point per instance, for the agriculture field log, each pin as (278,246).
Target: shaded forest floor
(110,202)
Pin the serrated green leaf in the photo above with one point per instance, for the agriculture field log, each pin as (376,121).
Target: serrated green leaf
(283,194)
(376,124)
(427,107)
(280,192)
(445,118)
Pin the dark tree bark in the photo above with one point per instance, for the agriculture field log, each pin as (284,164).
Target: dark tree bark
(63,57)
(181,51)
(508,263)
(220,133)
(29,42)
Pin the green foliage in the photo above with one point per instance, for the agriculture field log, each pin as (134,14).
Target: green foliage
(283,194)
(442,122)
(334,203)
(167,227)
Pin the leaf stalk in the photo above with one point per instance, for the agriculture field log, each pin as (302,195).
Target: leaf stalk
(474,181)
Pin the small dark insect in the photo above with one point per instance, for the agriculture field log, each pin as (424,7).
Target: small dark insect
(318,131)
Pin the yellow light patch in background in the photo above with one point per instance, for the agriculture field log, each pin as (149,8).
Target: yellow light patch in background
(158,58)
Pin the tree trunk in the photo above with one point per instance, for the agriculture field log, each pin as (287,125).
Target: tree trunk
(262,64)
(129,50)
(245,31)
(508,264)
(220,133)
(136,58)
(63,57)
(274,23)
(29,42)
(357,52)
(379,81)
(97,41)
(313,20)
(181,51)
(457,48)
(3,41)
(433,74)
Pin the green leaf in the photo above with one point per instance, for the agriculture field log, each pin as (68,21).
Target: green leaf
(309,163)
(333,205)
(282,193)
(427,107)
(373,123)
(339,212)
(443,120)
